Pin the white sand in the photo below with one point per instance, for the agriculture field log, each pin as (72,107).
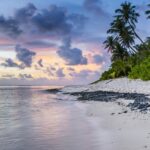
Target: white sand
(117,85)
(125,131)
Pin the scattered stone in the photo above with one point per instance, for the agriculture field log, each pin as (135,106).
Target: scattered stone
(145,146)
(125,111)
(141,101)
(112,113)
(53,90)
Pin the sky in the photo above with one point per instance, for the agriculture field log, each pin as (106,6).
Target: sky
(57,42)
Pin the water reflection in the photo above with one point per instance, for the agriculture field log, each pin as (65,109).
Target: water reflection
(31,119)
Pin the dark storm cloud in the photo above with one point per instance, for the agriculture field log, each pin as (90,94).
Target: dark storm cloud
(40,63)
(95,7)
(78,20)
(58,20)
(9,27)
(98,59)
(72,56)
(23,15)
(24,55)
(10,63)
(52,21)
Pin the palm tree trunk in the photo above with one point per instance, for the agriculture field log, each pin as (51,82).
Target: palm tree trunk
(135,33)
(138,37)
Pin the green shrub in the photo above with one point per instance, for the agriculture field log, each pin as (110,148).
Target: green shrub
(107,75)
(137,66)
(141,71)
(118,69)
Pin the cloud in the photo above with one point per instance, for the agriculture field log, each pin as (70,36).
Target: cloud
(23,15)
(40,63)
(53,68)
(9,27)
(77,20)
(82,73)
(60,73)
(10,63)
(52,20)
(72,56)
(25,76)
(24,55)
(85,76)
(71,69)
(95,7)
(49,71)
(40,44)
(8,76)
(98,59)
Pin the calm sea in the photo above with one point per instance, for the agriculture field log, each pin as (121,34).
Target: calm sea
(33,119)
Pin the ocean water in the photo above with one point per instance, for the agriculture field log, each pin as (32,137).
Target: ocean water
(33,119)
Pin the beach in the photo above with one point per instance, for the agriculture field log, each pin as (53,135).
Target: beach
(74,117)
(119,109)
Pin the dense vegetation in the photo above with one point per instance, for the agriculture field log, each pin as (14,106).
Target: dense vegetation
(128,58)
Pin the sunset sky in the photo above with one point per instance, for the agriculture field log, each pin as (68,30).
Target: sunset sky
(47,42)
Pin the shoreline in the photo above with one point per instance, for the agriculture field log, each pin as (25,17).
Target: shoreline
(134,93)
(134,101)
(121,115)
(118,130)
(120,85)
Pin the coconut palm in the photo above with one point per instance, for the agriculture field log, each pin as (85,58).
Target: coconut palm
(148,12)
(128,14)
(116,26)
(123,34)
(109,43)
(119,53)
(127,39)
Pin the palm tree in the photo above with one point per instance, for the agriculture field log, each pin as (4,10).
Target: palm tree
(127,39)
(119,53)
(116,26)
(123,34)
(109,43)
(148,12)
(128,14)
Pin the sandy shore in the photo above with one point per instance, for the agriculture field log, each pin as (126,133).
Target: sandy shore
(123,85)
(120,109)
(118,130)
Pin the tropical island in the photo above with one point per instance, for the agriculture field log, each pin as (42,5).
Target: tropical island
(128,76)
(128,58)
(47,43)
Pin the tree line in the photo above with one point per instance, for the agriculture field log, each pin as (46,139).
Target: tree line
(128,58)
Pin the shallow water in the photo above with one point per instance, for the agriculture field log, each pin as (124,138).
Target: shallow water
(32,119)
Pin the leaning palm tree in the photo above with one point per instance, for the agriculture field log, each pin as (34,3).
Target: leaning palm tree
(123,34)
(127,39)
(109,43)
(148,12)
(128,14)
(119,53)
(116,26)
